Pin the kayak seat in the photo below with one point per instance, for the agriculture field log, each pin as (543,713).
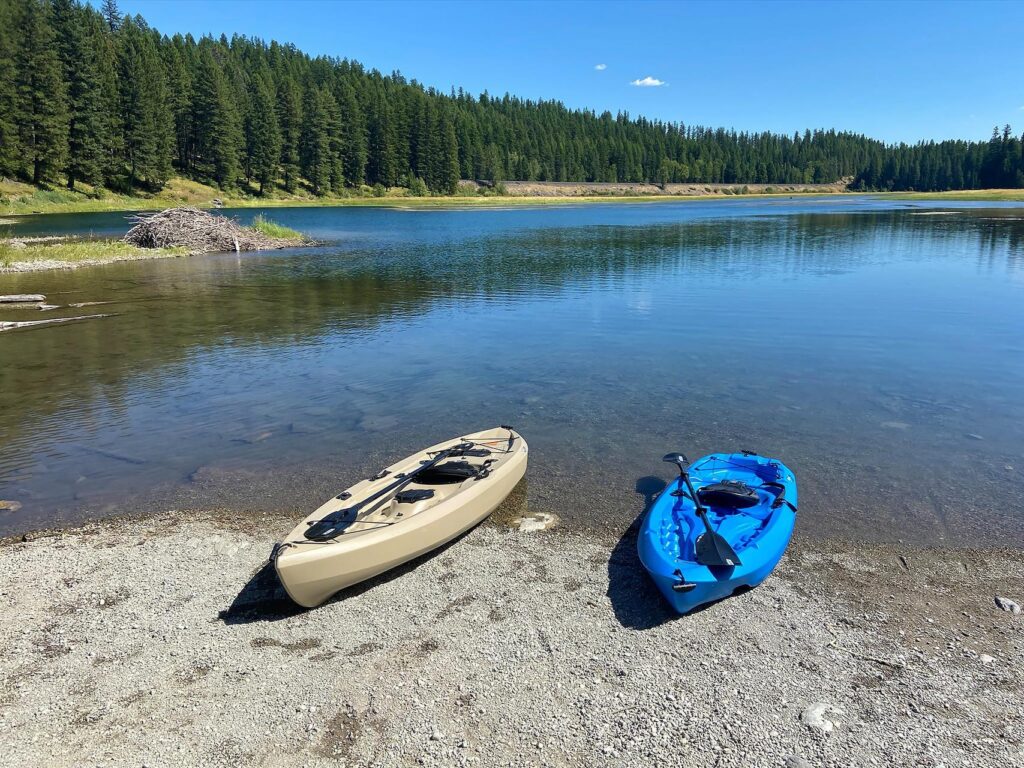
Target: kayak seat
(448,473)
(728,494)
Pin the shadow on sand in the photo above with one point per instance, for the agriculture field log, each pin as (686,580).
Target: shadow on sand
(263,598)
(635,600)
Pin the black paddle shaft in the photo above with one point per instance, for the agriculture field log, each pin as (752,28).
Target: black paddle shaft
(331,525)
(711,548)
(403,481)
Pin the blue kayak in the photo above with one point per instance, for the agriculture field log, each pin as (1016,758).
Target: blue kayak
(749,500)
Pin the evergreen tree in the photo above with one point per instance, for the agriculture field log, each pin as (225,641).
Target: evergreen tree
(315,153)
(145,118)
(87,122)
(263,136)
(42,106)
(217,127)
(353,139)
(382,163)
(10,145)
(333,129)
(140,102)
(112,15)
(104,44)
(449,179)
(179,99)
(289,118)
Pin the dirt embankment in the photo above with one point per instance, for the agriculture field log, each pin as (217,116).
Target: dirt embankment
(605,189)
(167,642)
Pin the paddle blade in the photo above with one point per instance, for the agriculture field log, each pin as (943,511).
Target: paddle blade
(714,551)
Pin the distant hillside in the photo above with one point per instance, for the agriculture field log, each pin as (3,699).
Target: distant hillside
(105,100)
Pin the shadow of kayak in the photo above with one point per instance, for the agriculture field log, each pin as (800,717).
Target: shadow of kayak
(263,598)
(635,600)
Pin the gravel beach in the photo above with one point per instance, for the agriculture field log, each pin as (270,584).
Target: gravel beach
(164,642)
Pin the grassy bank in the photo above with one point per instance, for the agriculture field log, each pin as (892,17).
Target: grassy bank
(17,198)
(34,254)
(19,256)
(994,195)
(273,229)
(21,199)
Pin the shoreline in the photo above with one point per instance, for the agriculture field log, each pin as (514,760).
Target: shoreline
(503,647)
(10,213)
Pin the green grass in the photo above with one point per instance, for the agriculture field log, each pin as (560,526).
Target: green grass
(1007,195)
(272,229)
(72,252)
(17,198)
(20,198)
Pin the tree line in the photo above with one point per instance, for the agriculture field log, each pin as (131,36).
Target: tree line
(92,96)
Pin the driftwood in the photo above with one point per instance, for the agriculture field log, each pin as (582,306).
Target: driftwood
(12,326)
(198,231)
(21,298)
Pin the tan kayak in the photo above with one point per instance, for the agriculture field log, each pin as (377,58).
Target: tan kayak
(408,509)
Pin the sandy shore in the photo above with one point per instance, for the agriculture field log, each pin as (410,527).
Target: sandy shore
(162,642)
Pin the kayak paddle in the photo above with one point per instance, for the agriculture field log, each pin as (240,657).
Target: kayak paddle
(711,548)
(337,521)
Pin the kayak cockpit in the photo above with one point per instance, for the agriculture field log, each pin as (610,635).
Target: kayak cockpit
(741,493)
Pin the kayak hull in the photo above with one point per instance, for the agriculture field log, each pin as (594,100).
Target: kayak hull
(312,571)
(759,534)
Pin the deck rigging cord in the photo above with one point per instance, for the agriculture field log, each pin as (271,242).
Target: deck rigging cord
(329,528)
(335,523)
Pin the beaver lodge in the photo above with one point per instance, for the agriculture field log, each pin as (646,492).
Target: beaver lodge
(204,232)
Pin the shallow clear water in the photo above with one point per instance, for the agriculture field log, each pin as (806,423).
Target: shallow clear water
(875,347)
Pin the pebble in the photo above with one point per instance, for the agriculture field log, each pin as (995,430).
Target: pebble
(986,659)
(550,674)
(538,521)
(814,717)
(1003,603)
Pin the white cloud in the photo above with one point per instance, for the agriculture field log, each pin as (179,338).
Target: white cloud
(648,82)
(600,67)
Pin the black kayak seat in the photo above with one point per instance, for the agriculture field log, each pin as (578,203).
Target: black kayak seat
(448,473)
(728,494)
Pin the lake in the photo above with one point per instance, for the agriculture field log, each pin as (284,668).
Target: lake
(875,346)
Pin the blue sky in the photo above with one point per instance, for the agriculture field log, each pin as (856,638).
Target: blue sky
(898,71)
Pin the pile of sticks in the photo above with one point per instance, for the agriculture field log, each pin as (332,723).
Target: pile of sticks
(198,231)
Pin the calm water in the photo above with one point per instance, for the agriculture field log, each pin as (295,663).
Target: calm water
(877,348)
